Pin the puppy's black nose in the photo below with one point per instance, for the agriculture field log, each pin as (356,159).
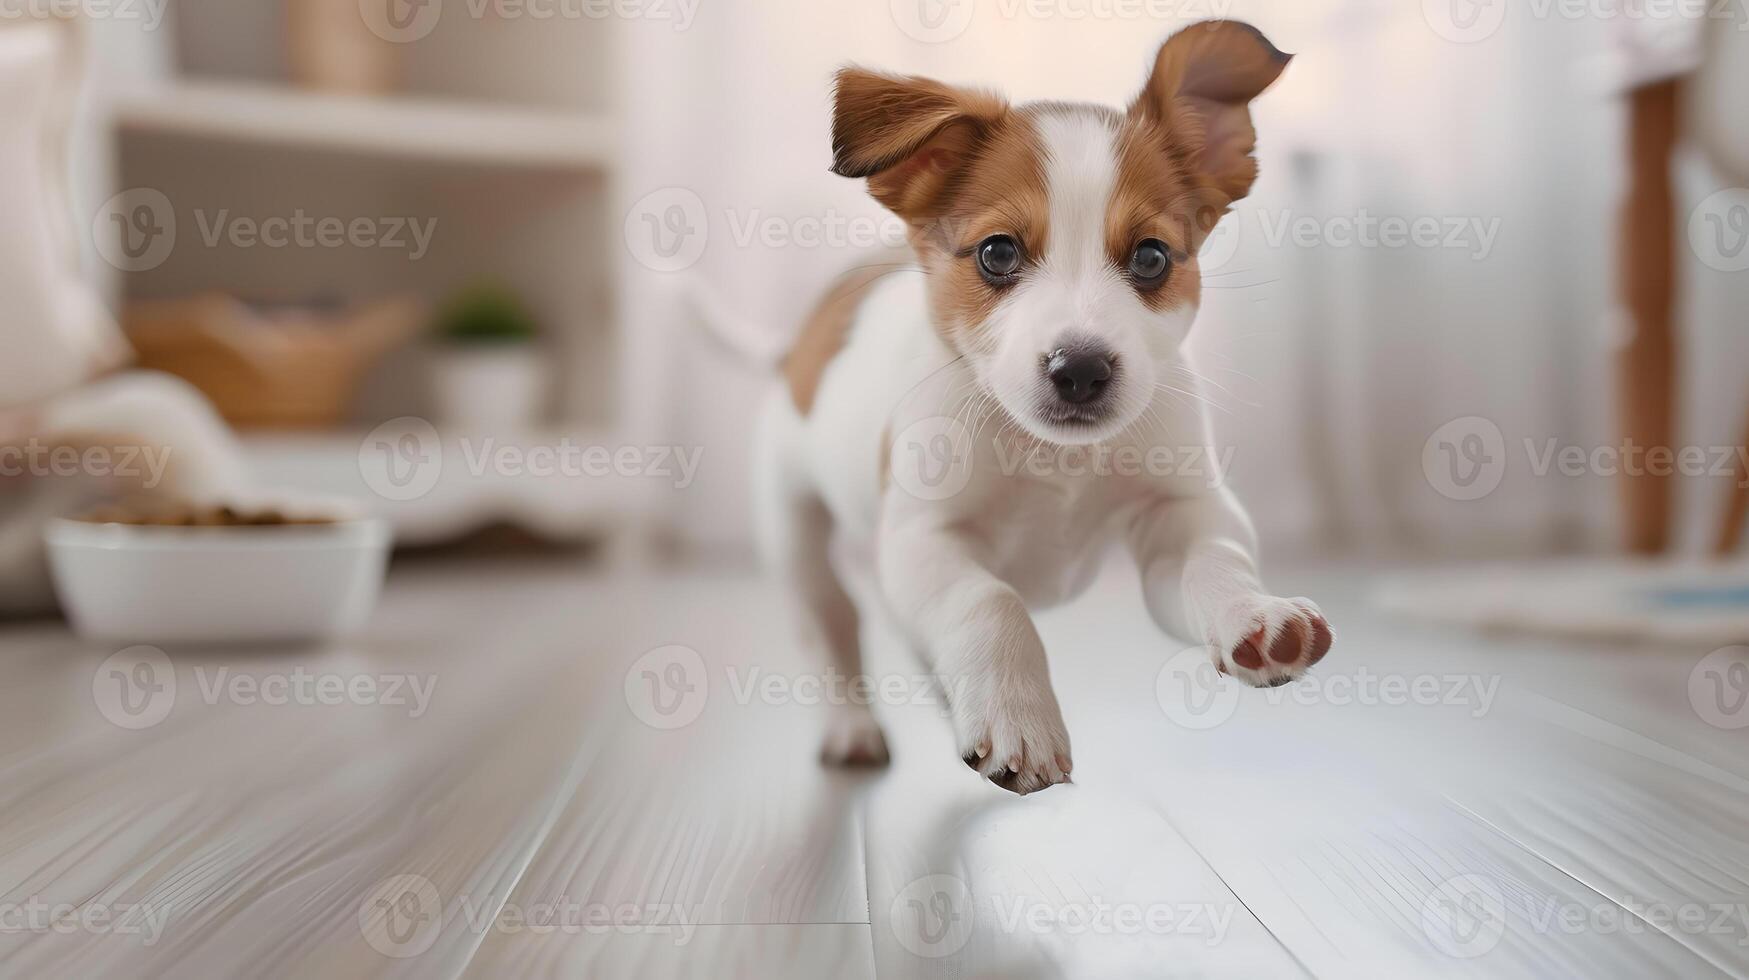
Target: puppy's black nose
(1080,374)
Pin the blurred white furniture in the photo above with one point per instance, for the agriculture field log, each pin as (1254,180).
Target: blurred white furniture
(1685,76)
(56,338)
(1720,129)
(503,136)
(53,331)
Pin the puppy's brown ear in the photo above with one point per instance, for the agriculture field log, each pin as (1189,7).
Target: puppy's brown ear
(1204,79)
(907,135)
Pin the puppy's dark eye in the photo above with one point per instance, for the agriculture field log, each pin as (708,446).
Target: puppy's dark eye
(998,259)
(1150,263)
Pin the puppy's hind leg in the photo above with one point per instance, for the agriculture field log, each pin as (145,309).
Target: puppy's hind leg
(795,534)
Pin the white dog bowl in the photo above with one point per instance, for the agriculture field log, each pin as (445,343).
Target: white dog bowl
(249,584)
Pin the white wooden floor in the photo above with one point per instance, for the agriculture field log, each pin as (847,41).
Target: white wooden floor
(570,804)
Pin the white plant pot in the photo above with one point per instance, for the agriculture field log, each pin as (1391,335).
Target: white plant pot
(491,387)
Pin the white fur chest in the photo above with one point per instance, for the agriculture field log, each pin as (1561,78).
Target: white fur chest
(1048,528)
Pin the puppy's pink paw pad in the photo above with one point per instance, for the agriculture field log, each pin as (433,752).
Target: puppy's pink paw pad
(1266,641)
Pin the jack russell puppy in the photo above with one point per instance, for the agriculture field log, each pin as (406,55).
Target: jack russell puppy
(1054,284)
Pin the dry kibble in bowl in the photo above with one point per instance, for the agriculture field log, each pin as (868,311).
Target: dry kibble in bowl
(162,514)
(156,571)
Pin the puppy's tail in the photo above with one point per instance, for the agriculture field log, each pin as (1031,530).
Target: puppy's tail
(752,343)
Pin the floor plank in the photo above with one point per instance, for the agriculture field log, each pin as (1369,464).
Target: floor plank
(714,822)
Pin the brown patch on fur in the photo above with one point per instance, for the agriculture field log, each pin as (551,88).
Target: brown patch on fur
(1154,196)
(957,164)
(907,135)
(1198,97)
(824,333)
(1001,191)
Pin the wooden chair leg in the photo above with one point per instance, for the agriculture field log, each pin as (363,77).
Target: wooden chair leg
(1646,364)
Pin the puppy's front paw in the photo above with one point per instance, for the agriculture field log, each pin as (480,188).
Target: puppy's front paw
(1266,642)
(854,739)
(1011,732)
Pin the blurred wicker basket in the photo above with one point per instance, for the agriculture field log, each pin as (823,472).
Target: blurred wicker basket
(290,368)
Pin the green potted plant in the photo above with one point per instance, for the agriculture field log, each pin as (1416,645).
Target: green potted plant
(487,369)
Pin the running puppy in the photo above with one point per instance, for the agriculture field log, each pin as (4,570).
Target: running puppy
(931,415)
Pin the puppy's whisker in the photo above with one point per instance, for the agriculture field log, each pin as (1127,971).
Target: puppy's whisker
(1191,394)
(1198,378)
